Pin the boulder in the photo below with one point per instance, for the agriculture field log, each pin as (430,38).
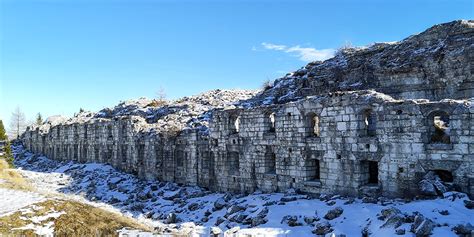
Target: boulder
(219,221)
(440,187)
(288,199)
(334,213)
(388,212)
(291,220)
(469,204)
(215,231)
(171,219)
(422,226)
(258,220)
(263,212)
(219,204)
(427,188)
(232,232)
(400,231)
(323,228)
(464,230)
(392,216)
(310,219)
(234,209)
(193,206)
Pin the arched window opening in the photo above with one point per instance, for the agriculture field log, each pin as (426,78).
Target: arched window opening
(271,117)
(235,124)
(439,127)
(370,123)
(313,121)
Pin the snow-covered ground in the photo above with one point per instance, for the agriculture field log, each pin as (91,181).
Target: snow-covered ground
(191,210)
(12,200)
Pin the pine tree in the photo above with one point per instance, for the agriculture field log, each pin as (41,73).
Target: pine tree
(39,119)
(3,134)
(7,151)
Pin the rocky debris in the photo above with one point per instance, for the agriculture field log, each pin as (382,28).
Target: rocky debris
(288,199)
(233,209)
(232,231)
(323,228)
(334,213)
(431,185)
(392,216)
(310,219)
(464,230)
(291,221)
(365,231)
(444,212)
(215,231)
(400,231)
(469,204)
(193,206)
(367,67)
(427,188)
(257,220)
(219,204)
(422,226)
(171,219)
(369,200)
(220,220)
(331,203)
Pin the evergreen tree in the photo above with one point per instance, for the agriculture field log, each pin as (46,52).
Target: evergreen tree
(39,119)
(7,151)
(3,134)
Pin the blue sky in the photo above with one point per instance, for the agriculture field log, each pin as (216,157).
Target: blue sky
(58,56)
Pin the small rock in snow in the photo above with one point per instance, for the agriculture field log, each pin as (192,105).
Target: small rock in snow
(334,213)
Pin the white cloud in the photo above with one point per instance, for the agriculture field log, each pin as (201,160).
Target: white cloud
(304,54)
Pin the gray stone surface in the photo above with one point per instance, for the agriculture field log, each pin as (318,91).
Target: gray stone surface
(360,124)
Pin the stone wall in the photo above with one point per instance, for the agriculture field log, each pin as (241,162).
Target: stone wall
(354,143)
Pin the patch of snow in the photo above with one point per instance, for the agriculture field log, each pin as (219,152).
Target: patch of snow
(12,200)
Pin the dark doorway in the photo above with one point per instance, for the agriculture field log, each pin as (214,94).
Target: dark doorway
(373,172)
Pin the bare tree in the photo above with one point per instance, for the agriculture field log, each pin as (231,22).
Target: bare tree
(17,123)
(161,94)
(160,98)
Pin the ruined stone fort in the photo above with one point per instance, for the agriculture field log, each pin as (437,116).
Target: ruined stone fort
(369,121)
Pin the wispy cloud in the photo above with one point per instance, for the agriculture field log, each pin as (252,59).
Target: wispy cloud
(304,54)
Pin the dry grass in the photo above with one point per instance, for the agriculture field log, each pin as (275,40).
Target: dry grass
(11,179)
(79,220)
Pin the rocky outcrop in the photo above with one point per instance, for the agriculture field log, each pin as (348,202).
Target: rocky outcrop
(431,65)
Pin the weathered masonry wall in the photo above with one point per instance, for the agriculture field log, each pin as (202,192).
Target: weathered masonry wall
(354,143)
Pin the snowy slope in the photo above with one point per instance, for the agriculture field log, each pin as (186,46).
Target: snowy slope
(177,209)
